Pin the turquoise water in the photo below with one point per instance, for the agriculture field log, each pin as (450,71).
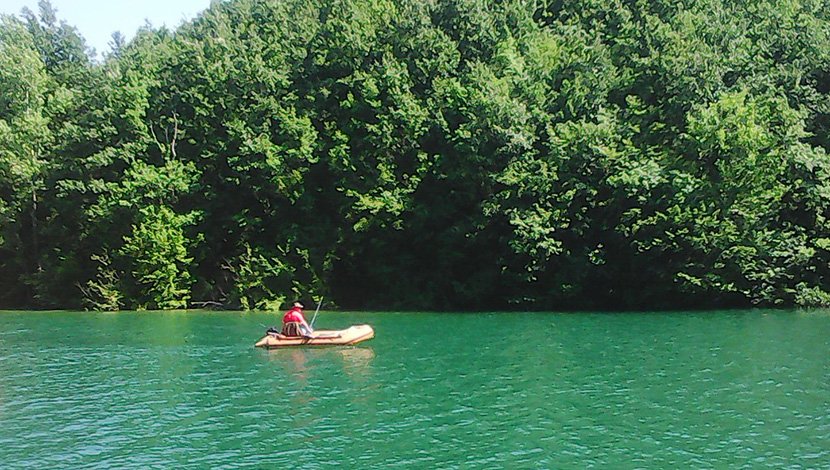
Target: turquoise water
(636,390)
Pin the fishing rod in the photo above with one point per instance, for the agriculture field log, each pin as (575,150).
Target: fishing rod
(316,312)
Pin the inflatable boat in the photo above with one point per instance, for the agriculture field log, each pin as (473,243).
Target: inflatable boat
(351,335)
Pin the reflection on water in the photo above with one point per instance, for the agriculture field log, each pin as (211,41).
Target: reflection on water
(304,368)
(311,386)
(357,361)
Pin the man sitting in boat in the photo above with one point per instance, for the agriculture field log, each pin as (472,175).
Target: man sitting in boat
(293,322)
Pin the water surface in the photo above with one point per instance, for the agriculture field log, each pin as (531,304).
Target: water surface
(637,390)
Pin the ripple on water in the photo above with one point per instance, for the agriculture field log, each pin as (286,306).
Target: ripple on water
(716,390)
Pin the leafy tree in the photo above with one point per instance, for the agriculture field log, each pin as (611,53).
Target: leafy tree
(25,138)
(156,251)
(441,154)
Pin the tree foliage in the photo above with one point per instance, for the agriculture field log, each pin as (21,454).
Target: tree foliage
(440,154)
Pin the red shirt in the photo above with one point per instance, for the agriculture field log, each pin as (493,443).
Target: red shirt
(293,315)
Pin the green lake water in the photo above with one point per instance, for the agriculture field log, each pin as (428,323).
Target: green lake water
(746,389)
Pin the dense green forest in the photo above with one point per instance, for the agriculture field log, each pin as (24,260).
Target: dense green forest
(438,154)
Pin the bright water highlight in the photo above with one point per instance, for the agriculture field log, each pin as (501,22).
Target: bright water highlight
(634,390)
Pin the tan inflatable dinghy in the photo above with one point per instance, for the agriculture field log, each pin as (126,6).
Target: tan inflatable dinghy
(351,335)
